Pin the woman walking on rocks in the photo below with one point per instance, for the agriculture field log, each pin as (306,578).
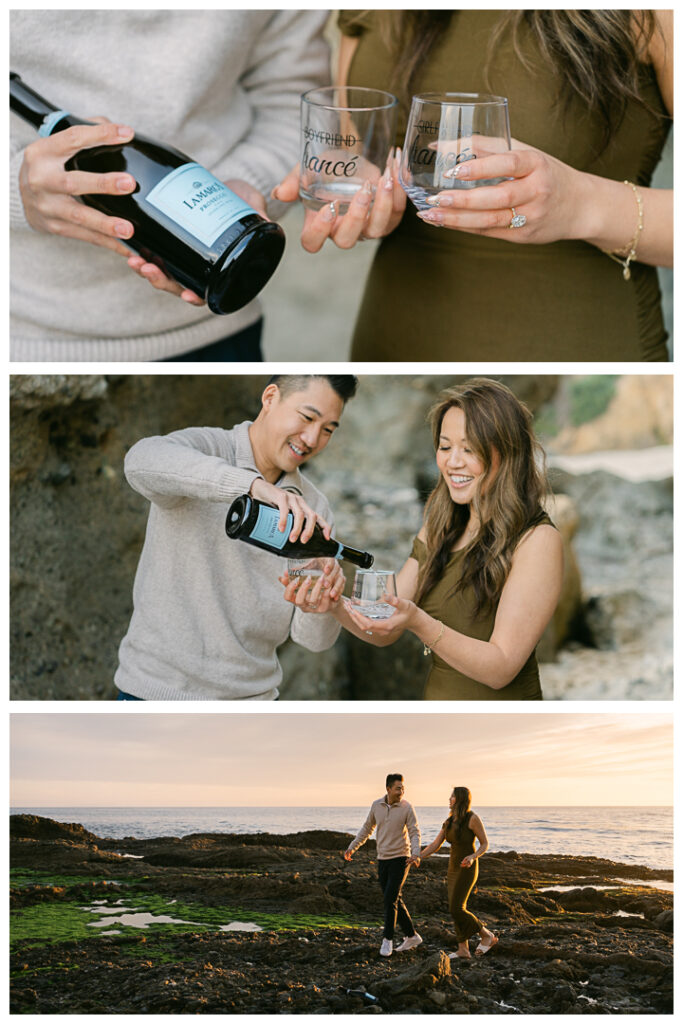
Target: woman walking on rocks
(484,576)
(460,829)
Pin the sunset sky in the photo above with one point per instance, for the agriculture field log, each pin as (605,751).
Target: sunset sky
(155,760)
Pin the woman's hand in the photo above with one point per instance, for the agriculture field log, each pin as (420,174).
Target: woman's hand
(361,221)
(157,278)
(554,198)
(319,597)
(49,193)
(403,618)
(468,861)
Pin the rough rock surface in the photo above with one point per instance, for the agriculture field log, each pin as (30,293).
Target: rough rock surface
(585,950)
(77,531)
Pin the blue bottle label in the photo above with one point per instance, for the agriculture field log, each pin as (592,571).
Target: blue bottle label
(198,202)
(50,121)
(265,528)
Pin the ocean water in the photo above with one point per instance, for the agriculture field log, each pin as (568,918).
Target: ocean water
(630,835)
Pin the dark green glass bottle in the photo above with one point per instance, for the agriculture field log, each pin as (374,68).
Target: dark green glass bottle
(185,220)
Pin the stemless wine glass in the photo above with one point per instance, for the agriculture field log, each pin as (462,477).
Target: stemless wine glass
(445,130)
(299,568)
(347,136)
(370,587)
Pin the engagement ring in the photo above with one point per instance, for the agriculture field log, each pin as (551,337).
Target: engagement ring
(518,219)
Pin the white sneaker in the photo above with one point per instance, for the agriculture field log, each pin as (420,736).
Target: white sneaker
(410,943)
(387,947)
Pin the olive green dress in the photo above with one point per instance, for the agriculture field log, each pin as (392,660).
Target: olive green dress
(439,294)
(456,611)
(461,881)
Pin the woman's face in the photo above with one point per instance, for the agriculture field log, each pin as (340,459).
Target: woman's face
(451,801)
(459,466)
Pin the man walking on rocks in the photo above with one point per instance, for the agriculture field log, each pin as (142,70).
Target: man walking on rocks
(398,839)
(208,612)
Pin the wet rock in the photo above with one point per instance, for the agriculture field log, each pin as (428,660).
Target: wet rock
(424,975)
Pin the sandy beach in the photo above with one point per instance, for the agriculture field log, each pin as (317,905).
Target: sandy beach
(215,923)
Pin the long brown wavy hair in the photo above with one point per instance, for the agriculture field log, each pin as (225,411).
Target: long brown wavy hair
(507,501)
(595,53)
(461,808)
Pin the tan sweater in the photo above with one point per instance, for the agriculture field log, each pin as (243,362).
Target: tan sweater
(209,612)
(398,833)
(222,86)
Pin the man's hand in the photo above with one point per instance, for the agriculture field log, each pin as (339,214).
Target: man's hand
(305,517)
(413,862)
(49,192)
(319,597)
(157,278)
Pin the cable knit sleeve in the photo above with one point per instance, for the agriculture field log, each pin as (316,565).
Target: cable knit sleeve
(289,57)
(189,464)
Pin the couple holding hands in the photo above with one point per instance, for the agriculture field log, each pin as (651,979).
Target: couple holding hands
(478,588)
(398,849)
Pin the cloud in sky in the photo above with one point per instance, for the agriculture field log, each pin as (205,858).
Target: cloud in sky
(229,759)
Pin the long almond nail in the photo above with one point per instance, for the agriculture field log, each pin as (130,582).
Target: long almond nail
(329,213)
(431,216)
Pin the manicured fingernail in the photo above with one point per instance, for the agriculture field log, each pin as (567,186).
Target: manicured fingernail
(388,182)
(329,212)
(274,191)
(431,216)
(397,158)
(364,196)
(440,200)
(123,230)
(125,184)
(457,171)
(124,132)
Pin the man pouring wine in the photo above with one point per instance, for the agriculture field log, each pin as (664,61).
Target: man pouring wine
(208,612)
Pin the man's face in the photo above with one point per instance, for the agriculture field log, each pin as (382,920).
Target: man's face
(395,792)
(299,425)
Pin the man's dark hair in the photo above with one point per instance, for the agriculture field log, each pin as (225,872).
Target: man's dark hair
(395,777)
(344,385)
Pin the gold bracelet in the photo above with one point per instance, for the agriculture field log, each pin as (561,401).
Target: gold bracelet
(427,649)
(624,256)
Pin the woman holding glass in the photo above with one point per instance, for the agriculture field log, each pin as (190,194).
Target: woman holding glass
(484,576)
(460,830)
(590,95)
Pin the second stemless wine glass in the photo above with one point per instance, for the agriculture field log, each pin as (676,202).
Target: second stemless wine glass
(447,129)
(370,587)
(347,136)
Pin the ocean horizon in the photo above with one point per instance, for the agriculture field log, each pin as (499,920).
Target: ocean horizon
(630,835)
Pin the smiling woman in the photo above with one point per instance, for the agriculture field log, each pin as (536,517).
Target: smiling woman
(484,576)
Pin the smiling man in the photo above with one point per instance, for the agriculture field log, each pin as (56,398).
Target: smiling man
(208,612)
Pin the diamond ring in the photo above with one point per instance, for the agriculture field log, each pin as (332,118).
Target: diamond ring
(518,219)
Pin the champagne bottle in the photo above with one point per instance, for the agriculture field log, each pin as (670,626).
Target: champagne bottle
(256,523)
(185,220)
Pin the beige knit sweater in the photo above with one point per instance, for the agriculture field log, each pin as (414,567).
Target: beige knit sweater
(222,86)
(209,612)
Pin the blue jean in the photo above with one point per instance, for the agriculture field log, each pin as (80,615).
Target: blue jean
(127,696)
(243,347)
(392,874)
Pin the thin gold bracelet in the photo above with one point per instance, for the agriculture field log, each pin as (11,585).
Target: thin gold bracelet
(624,256)
(427,648)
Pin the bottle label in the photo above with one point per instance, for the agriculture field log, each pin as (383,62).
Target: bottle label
(265,528)
(50,122)
(198,202)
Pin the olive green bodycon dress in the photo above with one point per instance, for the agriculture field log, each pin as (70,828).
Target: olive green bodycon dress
(461,881)
(441,294)
(457,611)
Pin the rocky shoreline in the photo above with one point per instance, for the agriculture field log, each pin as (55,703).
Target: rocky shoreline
(271,923)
